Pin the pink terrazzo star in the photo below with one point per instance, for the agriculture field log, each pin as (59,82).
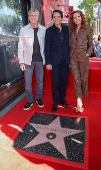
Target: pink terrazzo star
(52,133)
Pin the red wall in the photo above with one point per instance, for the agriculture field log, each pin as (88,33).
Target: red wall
(46,8)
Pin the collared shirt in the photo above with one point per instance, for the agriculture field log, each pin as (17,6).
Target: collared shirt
(60,33)
(56,45)
(81,42)
(26,40)
(61,37)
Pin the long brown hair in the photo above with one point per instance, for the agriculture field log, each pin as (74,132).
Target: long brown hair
(72,25)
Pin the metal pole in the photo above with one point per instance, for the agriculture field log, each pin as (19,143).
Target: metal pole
(98,26)
(95,27)
(32,3)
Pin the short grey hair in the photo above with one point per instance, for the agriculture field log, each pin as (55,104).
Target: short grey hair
(33,10)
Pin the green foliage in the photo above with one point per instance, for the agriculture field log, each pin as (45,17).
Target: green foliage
(11,24)
(87,6)
(12,4)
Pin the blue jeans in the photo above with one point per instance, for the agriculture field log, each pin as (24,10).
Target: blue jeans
(28,80)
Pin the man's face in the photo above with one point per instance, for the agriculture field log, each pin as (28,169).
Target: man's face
(57,18)
(33,17)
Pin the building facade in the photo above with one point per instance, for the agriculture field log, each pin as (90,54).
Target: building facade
(50,5)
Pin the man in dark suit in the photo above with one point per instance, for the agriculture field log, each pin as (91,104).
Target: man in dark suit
(57,58)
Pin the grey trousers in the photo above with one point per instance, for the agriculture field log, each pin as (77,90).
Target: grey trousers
(28,80)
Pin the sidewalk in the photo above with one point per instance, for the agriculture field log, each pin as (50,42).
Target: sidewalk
(9,158)
(5,110)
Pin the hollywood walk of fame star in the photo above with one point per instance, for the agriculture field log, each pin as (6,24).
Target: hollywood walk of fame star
(52,133)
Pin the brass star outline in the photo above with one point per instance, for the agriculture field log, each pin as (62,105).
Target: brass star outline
(53,127)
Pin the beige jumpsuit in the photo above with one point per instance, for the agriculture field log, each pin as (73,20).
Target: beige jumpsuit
(81,43)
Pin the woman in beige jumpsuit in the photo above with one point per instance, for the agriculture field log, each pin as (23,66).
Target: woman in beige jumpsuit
(81,46)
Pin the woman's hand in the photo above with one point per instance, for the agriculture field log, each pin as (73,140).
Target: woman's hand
(87,55)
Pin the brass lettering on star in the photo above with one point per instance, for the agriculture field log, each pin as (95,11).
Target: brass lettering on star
(53,129)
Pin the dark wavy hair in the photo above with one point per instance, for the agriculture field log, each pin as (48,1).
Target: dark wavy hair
(59,11)
(72,25)
(99,37)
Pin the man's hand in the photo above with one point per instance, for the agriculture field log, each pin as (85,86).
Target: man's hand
(49,67)
(22,66)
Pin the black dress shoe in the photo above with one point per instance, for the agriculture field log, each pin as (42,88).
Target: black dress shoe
(54,108)
(64,104)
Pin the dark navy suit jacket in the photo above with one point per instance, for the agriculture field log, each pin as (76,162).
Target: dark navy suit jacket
(54,48)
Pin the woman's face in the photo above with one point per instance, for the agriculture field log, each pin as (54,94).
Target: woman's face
(77,19)
(100,38)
